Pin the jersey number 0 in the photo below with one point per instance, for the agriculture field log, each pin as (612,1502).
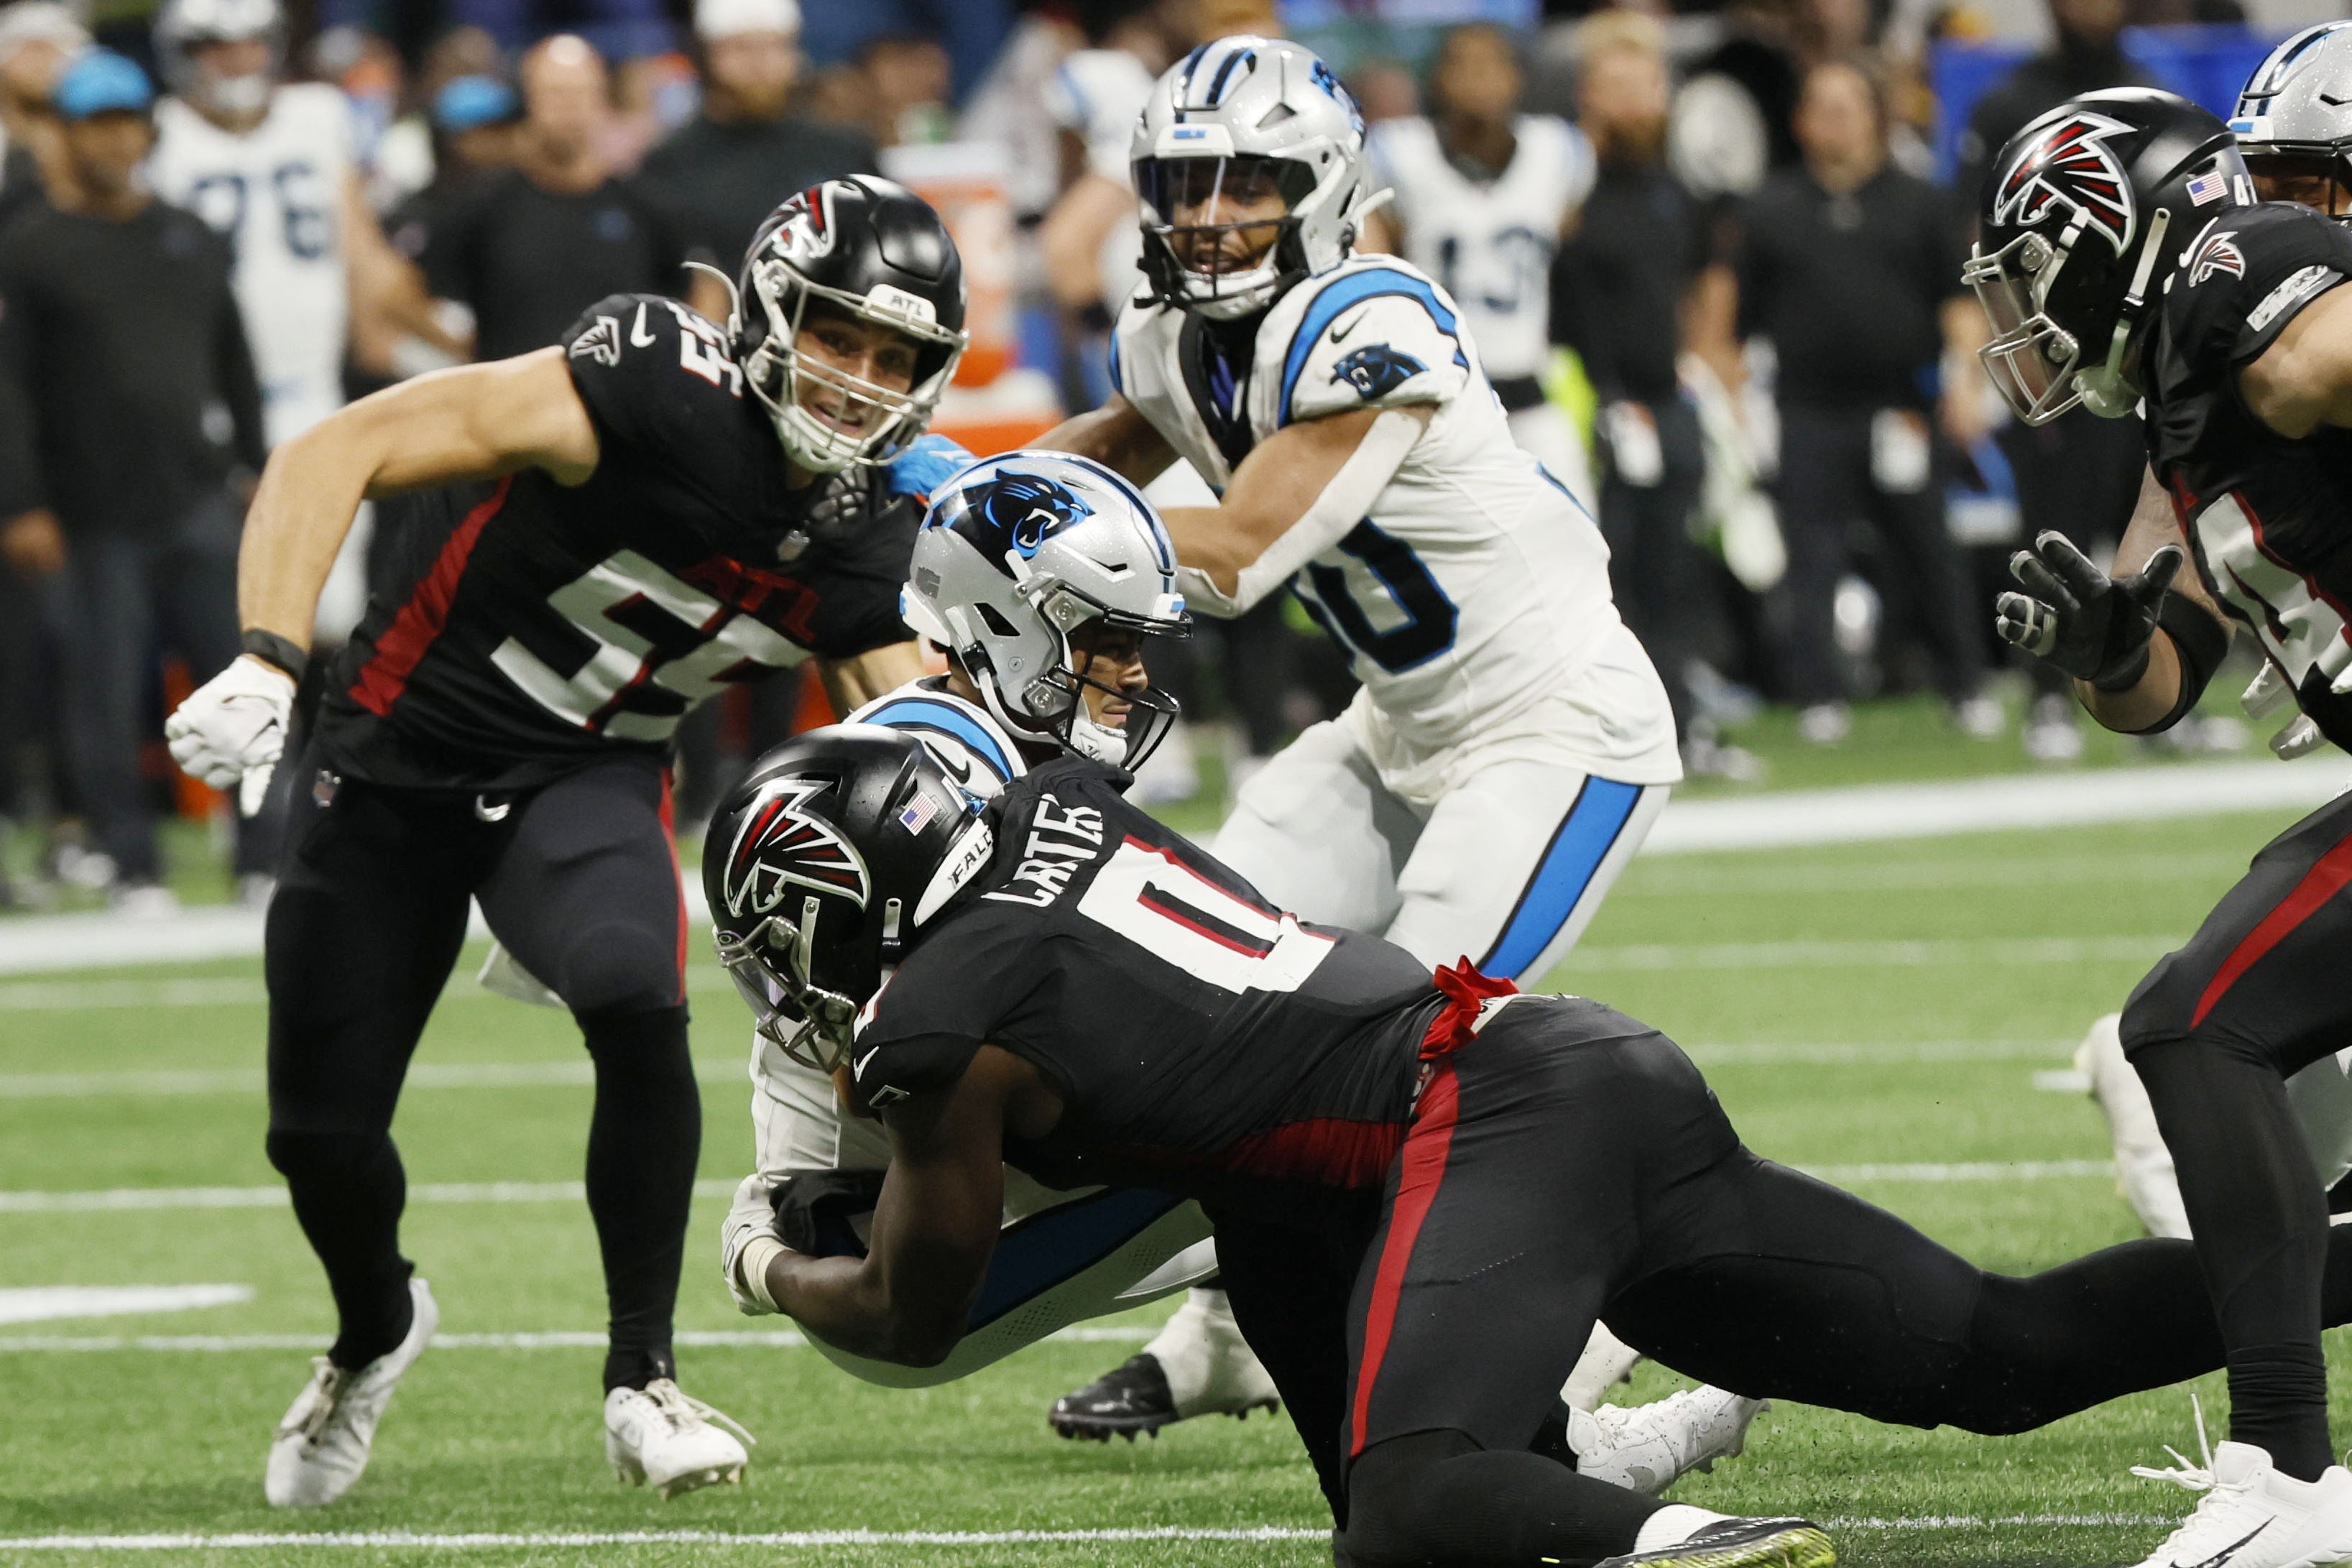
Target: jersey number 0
(1162,906)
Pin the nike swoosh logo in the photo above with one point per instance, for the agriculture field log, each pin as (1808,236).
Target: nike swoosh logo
(960,766)
(1340,334)
(638,337)
(857,1070)
(2223,1556)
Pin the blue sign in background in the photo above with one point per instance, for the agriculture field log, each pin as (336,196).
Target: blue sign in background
(2206,62)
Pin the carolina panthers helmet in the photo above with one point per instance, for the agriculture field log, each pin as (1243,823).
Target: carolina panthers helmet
(1016,554)
(2294,121)
(820,869)
(1243,114)
(2075,220)
(874,250)
(183,24)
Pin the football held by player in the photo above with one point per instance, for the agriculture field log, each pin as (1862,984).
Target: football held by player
(626,523)
(1425,1190)
(2123,262)
(1511,744)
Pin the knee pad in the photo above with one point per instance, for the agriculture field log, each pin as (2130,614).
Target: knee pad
(618,966)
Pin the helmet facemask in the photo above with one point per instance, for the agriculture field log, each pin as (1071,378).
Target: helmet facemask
(2319,178)
(1248,261)
(2036,364)
(1056,699)
(781,375)
(770,967)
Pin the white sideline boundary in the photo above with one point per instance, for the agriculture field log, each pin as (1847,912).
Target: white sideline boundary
(152,1199)
(804,1539)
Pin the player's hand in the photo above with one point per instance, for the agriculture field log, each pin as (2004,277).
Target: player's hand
(748,1236)
(2093,626)
(231,730)
(842,504)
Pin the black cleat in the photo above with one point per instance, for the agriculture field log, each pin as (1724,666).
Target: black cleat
(1740,1543)
(1130,1398)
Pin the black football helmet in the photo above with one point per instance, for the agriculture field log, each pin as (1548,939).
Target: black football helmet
(2076,217)
(870,249)
(820,869)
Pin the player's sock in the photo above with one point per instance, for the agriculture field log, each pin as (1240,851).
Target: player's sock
(2260,1223)
(643,1144)
(1437,1497)
(348,1191)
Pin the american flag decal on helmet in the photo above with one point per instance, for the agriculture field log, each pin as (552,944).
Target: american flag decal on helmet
(2070,165)
(780,845)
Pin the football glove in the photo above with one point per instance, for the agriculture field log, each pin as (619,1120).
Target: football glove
(749,1235)
(2093,626)
(231,730)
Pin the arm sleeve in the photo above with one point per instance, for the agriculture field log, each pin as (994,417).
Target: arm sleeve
(21,486)
(1375,339)
(240,388)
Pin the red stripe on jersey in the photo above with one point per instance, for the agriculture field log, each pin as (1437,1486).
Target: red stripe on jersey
(2326,878)
(385,675)
(669,832)
(1425,1148)
(1330,1150)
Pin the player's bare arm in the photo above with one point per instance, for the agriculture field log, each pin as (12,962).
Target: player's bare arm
(475,422)
(935,1225)
(1291,499)
(852,683)
(385,285)
(2154,527)
(2304,379)
(1117,437)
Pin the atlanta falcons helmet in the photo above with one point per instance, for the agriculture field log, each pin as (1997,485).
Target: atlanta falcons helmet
(858,247)
(1022,550)
(2294,121)
(1241,116)
(821,868)
(2078,214)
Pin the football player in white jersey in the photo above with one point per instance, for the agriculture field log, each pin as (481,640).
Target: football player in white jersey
(1511,744)
(272,166)
(1484,195)
(1041,575)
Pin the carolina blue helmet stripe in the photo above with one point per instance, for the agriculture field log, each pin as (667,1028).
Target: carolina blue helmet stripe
(921,714)
(1351,291)
(1217,83)
(1584,840)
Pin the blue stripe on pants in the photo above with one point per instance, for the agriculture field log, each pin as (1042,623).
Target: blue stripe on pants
(1602,808)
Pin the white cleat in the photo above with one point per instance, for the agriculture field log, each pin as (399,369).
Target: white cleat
(2253,1517)
(1199,1365)
(321,1446)
(1648,1447)
(661,1435)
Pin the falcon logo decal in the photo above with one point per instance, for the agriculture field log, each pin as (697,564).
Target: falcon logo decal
(1376,370)
(2215,253)
(600,342)
(1018,512)
(2070,165)
(780,846)
(807,228)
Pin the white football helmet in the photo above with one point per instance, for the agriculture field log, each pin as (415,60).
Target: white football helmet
(2294,123)
(184,24)
(1239,116)
(1017,552)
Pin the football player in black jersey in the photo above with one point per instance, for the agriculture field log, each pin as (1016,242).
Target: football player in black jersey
(629,522)
(2124,261)
(1425,1190)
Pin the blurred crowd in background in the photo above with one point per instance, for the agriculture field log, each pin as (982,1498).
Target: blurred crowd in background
(1710,257)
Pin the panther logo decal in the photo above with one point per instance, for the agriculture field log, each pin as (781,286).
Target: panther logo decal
(1323,76)
(1018,512)
(780,846)
(2216,253)
(2069,166)
(1376,370)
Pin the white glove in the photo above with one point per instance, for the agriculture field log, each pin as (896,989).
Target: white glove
(232,729)
(747,1237)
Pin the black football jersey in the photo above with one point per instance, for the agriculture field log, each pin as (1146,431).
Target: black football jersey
(1203,1041)
(529,626)
(2269,518)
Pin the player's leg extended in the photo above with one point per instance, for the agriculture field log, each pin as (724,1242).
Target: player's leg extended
(1514,864)
(2214,1031)
(1314,831)
(1522,1199)
(367,920)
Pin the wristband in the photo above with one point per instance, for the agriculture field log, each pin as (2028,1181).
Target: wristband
(273,650)
(2128,677)
(2199,639)
(752,1267)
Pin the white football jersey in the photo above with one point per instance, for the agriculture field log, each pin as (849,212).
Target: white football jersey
(277,193)
(1489,245)
(964,736)
(1477,587)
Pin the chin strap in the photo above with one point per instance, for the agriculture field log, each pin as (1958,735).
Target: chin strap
(2106,391)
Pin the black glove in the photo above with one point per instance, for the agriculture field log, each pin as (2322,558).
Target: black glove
(2093,626)
(814,1209)
(837,506)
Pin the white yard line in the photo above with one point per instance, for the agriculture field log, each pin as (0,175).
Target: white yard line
(250,1080)
(497,1540)
(544,1340)
(1877,954)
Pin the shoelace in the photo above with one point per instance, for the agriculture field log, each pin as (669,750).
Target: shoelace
(2192,1478)
(332,1383)
(683,1412)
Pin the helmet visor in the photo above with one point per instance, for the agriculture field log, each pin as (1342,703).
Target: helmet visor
(2321,181)
(1220,216)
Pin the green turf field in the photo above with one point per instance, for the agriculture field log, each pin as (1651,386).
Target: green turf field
(1876,1004)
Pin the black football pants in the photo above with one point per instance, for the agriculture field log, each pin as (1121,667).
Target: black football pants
(579,881)
(2215,1030)
(1570,1164)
